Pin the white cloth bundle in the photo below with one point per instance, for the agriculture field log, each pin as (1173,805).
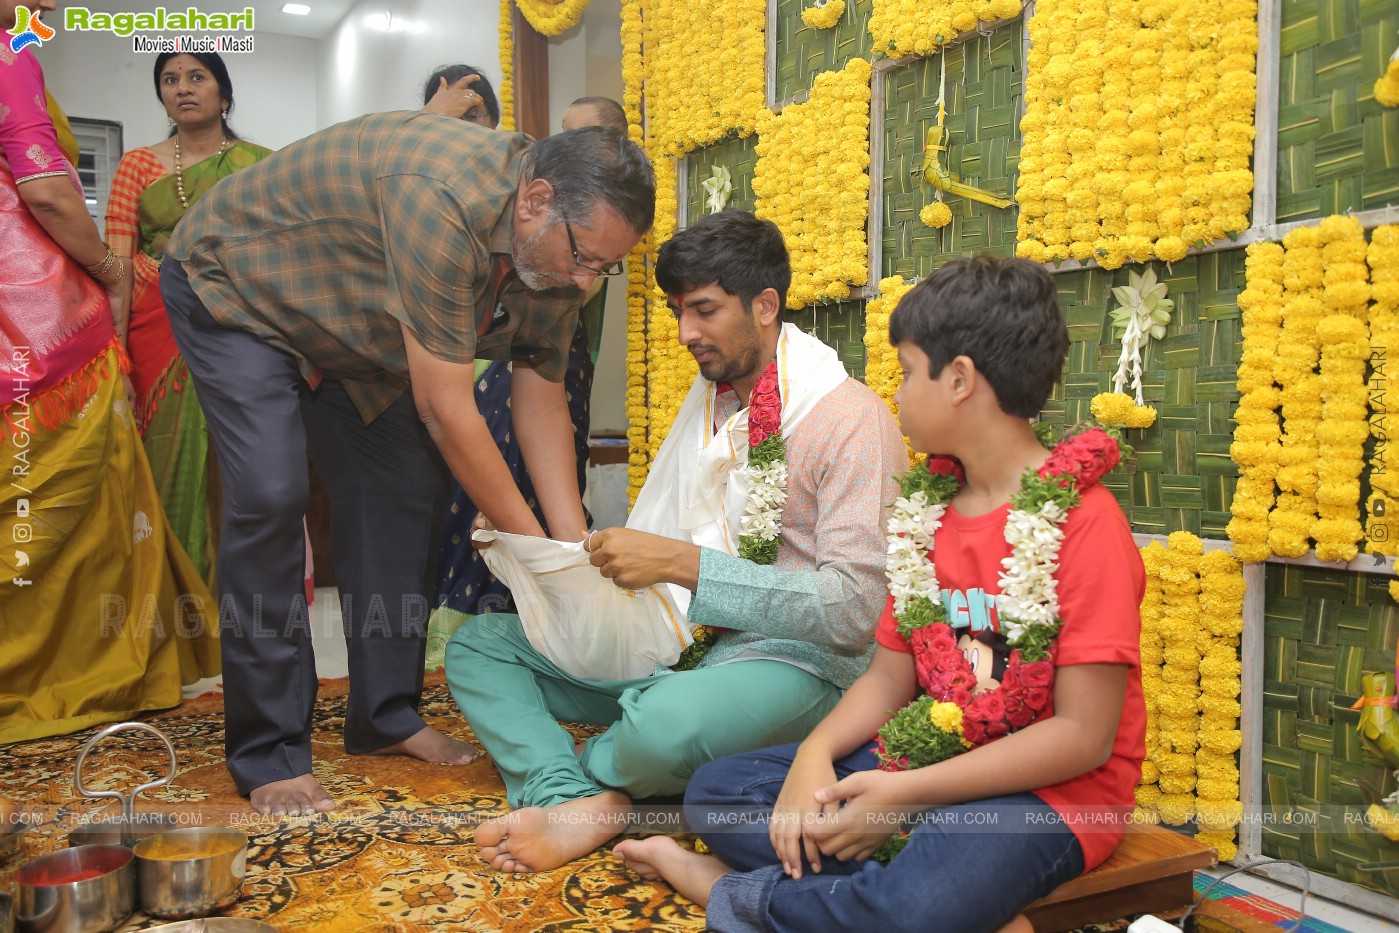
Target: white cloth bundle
(696,491)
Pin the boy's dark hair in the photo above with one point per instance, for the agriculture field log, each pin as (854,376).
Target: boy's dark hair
(606,111)
(733,249)
(1003,314)
(453,74)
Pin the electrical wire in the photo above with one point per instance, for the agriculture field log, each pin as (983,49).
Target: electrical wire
(1301,907)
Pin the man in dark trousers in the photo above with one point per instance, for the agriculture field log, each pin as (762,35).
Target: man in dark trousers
(333,299)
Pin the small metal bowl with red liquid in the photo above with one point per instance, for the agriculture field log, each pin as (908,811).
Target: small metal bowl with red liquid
(87,889)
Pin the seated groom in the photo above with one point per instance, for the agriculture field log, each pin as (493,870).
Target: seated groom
(793,635)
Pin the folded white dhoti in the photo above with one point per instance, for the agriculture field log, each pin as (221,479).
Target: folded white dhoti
(578,618)
(696,491)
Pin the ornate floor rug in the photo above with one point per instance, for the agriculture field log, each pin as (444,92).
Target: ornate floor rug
(396,856)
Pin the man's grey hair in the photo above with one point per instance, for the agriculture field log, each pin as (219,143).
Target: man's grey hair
(593,165)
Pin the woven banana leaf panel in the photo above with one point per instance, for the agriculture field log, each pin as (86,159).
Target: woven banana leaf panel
(1181,477)
(1338,148)
(983,96)
(738,156)
(803,52)
(1324,630)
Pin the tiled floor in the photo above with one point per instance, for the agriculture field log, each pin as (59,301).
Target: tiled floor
(331,661)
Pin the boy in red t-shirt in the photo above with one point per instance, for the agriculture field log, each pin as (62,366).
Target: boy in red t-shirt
(981,344)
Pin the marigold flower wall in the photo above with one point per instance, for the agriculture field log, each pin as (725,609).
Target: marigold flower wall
(1336,152)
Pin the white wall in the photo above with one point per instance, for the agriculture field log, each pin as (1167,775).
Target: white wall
(586,61)
(364,68)
(98,76)
(289,87)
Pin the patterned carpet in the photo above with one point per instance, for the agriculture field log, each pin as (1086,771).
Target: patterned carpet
(396,856)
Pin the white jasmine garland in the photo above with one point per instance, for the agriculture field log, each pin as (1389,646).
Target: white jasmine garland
(912,523)
(1029,594)
(1029,597)
(762,514)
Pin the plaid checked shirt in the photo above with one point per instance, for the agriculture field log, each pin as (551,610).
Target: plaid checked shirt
(324,248)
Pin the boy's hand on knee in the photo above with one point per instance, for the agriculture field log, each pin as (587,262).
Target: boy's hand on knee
(874,809)
(797,811)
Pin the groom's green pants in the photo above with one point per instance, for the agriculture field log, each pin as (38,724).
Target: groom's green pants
(660,728)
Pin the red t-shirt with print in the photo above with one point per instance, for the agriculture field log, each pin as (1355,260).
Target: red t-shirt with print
(1100,587)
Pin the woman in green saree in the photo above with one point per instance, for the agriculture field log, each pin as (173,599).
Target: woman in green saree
(151,191)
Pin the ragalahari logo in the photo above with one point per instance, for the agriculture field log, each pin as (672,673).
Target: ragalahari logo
(28,30)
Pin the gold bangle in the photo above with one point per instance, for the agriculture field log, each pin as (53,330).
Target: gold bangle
(121,273)
(99,269)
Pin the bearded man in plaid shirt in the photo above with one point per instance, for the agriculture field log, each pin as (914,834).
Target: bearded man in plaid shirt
(333,299)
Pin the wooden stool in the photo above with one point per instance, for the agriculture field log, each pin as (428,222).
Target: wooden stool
(1150,870)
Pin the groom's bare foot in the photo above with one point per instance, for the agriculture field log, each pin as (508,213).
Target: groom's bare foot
(428,744)
(690,873)
(543,838)
(298,796)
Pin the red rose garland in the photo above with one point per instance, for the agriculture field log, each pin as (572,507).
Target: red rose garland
(762,517)
(928,730)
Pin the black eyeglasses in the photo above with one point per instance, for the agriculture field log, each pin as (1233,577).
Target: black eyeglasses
(614,269)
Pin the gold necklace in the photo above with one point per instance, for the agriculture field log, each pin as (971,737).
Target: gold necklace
(179,170)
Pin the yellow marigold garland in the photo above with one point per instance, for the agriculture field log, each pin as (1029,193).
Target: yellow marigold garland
(506,92)
(1290,522)
(881,359)
(1121,409)
(911,27)
(633,74)
(811,180)
(551,17)
(1345,350)
(670,367)
(1256,447)
(936,215)
(1192,618)
(688,105)
(823,15)
(1138,128)
(1083,124)
(1387,87)
(1177,702)
(1383,259)
(1217,809)
(1152,657)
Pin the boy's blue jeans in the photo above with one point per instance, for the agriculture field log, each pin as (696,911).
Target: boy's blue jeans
(959,873)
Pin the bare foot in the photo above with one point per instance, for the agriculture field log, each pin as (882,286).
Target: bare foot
(298,796)
(1021,924)
(690,873)
(543,838)
(430,745)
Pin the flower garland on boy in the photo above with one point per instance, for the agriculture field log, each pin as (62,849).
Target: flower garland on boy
(927,730)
